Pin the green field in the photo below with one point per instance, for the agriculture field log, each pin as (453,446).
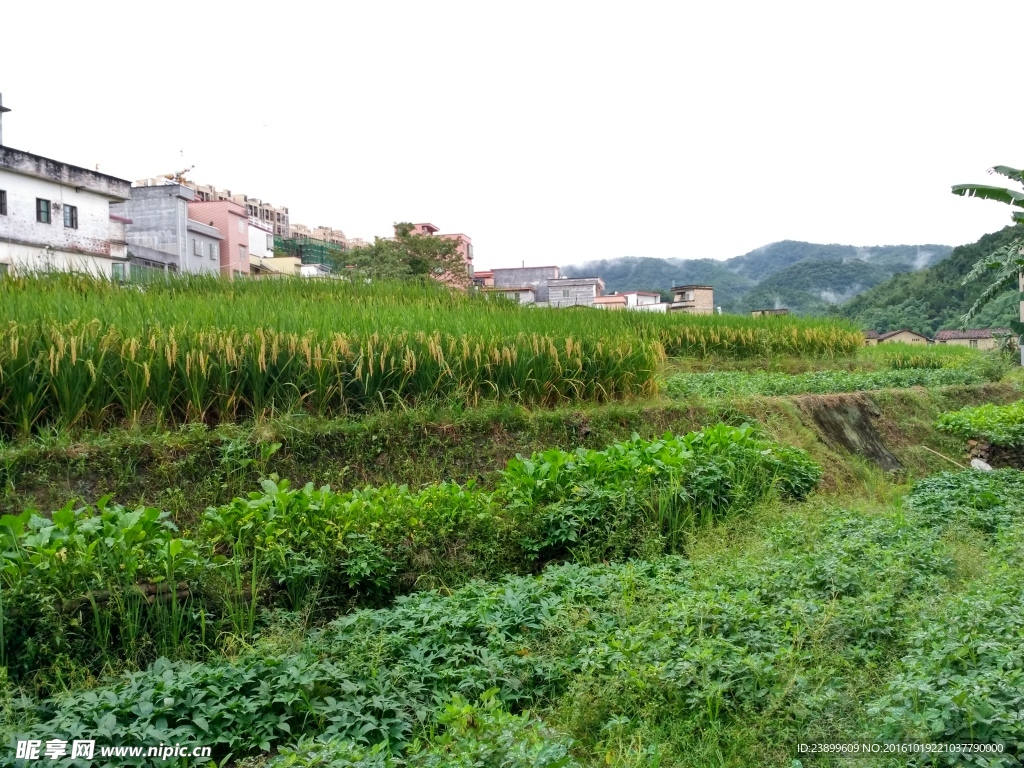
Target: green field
(609,539)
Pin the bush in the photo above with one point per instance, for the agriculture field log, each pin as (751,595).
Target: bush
(1001,425)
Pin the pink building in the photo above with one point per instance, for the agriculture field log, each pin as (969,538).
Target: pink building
(233,222)
(465,243)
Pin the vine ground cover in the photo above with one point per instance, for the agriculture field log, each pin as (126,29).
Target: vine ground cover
(92,587)
(809,624)
(1001,425)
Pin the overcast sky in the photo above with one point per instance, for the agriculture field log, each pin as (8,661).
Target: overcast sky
(549,132)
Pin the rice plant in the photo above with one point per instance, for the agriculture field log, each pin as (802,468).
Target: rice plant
(78,352)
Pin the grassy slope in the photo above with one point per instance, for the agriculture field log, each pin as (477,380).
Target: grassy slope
(186,470)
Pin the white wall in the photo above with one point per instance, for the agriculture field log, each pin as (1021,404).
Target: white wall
(258,243)
(23,240)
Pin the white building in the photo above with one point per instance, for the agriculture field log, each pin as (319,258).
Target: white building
(56,216)
(261,240)
(640,301)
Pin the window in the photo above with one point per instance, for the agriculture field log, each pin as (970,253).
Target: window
(42,211)
(71,216)
(565,293)
(215,251)
(3,203)
(117,271)
(243,254)
(270,242)
(974,343)
(197,247)
(241,226)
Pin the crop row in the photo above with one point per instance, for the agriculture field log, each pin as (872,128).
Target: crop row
(779,636)
(736,383)
(106,583)
(80,352)
(1001,425)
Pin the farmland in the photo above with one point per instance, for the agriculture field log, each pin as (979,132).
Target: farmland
(375,526)
(76,352)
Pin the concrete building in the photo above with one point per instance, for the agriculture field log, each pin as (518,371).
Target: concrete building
(57,216)
(902,336)
(768,312)
(464,244)
(325,234)
(261,240)
(273,216)
(231,219)
(976,338)
(693,299)
(523,294)
(537,277)
(640,301)
(162,236)
(574,291)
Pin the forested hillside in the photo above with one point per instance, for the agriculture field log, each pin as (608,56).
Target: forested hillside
(934,298)
(807,278)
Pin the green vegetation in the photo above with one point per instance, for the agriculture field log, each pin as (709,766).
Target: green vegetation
(1001,425)
(935,298)
(95,586)
(77,352)
(809,623)
(879,367)
(823,274)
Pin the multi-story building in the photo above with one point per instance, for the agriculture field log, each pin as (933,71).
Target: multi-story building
(641,301)
(517,277)
(161,235)
(57,216)
(230,218)
(574,291)
(325,234)
(693,299)
(270,215)
(464,243)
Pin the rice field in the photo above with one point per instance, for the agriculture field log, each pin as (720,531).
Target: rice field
(77,352)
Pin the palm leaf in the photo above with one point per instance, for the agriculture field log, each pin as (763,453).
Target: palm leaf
(1003,195)
(1008,172)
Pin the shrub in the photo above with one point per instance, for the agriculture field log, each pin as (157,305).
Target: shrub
(1001,425)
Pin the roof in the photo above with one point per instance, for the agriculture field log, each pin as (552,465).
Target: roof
(684,287)
(890,334)
(871,334)
(210,231)
(122,219)
(508,288)
(483,273)
(970,333)
(613,299)
(27,164)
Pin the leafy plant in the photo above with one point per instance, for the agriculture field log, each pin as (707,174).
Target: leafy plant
(1001,425)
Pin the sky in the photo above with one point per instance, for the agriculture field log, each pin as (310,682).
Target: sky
(549,132)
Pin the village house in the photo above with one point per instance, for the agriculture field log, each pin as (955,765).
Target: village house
(904,336)
(161,236)
(642,301)
(693,299)
(57,216)
(974,337)
(232,221)
(769,312)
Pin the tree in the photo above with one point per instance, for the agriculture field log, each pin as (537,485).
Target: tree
(1008,261)
(410,255)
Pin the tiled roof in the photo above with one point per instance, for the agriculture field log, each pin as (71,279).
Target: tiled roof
(872,334)
(890,334)
(970,333)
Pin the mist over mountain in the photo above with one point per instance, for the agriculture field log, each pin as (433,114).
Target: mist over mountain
(806,278)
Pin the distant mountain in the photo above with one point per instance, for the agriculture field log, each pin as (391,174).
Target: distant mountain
(933,299)
(807,278)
